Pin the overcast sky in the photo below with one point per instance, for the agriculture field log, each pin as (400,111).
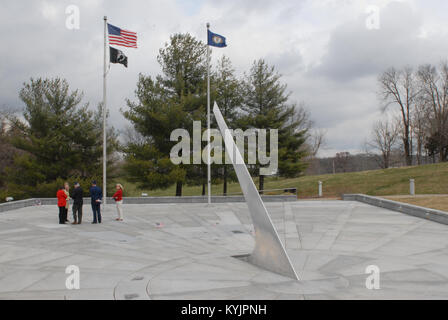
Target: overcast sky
(325,51)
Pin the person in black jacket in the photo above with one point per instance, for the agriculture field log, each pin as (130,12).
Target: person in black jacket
(77,204)
(96,195)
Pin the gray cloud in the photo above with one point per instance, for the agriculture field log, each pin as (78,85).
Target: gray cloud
(323,50)
(355,51)
(341,90)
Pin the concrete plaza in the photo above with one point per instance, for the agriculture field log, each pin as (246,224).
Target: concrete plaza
(185,251)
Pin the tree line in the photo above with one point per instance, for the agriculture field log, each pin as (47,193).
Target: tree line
(54,139)
(177,97)
(418,128)
(58,137)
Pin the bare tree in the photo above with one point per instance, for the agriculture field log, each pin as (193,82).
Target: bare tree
(315,137)
(420,124)
(399,87)
(383,139)
(434,84)
(342,161)
(130,135)
(7,115)
(316,140)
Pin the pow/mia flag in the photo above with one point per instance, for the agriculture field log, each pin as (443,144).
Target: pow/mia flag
(117,56)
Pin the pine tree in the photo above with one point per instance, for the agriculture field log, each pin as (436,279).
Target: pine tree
(172,100)
(227,92)
(59,138)
(266,107)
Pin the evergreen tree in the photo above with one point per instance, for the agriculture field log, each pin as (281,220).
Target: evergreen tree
(227,92)
(266,107)
(8,152)
(154,116)
(172,100)
(59,137)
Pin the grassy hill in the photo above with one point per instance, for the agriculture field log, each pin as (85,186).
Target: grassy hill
(429,179)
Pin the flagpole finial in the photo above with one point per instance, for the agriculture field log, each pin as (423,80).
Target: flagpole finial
(208,25)
(105,18)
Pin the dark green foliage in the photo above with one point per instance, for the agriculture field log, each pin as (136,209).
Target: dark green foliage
(7,150)
(59,139)
(436,144)
(228,94)
(183,63)
(173,100)
(178,97)
(48,189)
(266,107)
(147,166)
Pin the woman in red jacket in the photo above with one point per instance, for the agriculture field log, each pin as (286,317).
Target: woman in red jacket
(62,202)
(118,197)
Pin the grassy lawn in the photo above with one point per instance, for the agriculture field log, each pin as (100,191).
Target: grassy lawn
(439,202)
(429,179)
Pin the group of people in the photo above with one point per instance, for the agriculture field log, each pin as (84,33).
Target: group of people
(96,196)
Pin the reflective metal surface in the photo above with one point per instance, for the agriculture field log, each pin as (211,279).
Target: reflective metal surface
(269,252)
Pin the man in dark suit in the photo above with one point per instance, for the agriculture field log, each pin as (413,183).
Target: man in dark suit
(96,196)
(77,204)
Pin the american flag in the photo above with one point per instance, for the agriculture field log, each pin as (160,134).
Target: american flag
(121,37)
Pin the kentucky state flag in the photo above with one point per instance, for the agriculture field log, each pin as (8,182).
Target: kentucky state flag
(216,40)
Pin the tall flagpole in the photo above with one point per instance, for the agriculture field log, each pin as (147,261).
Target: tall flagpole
(209,172)
(104,113)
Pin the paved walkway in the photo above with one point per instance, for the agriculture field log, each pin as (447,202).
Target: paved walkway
(184,251)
